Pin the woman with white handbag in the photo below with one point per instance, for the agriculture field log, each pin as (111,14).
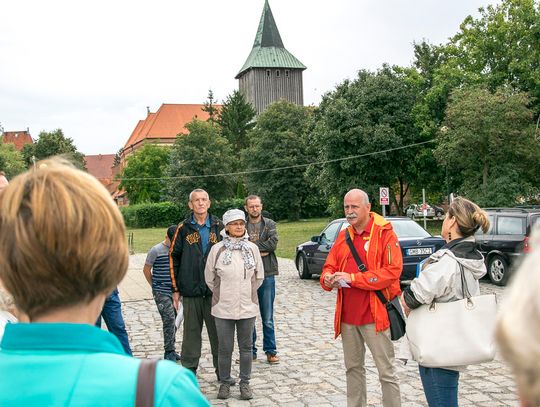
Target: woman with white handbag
(437,320)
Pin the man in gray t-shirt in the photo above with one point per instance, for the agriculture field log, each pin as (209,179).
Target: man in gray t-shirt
(157,272)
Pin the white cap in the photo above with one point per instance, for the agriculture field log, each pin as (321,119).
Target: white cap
(233,214)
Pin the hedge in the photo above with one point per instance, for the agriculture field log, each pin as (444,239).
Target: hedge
(150,215)
(163,214)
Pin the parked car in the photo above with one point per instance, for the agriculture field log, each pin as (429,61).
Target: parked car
(416,244)
(506,240)
(439,212)
(415,211)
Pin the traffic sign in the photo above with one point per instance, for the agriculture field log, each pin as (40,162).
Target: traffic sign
(384,196)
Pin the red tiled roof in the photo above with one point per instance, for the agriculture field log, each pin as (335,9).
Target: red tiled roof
(18,138)
(100,166)
(167,122)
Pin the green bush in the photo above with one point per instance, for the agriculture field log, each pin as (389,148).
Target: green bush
(164,214)
(218,208)
(149,215)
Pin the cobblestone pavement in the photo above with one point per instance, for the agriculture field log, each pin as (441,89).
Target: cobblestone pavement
(311,372)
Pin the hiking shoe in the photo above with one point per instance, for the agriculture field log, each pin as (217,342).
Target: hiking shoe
(177,356)
(272,359)
(225,391)
(170,356)
(245,392)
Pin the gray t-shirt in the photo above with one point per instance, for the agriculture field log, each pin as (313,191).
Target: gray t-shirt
(158,258)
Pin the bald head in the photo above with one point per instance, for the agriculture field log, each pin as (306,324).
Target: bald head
(357,194)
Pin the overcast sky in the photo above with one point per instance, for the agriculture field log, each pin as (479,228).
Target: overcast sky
(91,68)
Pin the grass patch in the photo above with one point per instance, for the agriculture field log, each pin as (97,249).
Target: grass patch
(291,234)
(145,239)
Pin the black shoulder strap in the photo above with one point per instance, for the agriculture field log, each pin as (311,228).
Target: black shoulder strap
(146,379)
(360,263)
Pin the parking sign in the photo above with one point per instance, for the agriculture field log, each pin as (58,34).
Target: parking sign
(384,196)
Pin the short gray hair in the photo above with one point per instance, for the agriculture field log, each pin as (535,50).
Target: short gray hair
(197,190)
(363,194)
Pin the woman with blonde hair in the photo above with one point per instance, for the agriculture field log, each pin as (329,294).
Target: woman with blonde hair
(441,281)
(62,251)
(518,327)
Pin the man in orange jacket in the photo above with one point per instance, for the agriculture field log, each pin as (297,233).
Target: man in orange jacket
(360,317)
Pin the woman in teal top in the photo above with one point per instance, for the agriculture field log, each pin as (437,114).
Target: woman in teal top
(62,251)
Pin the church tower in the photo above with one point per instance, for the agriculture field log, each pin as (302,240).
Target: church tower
(270,72)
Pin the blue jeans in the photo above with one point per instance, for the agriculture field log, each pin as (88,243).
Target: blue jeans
(112,314)
(266,294)
(440,386)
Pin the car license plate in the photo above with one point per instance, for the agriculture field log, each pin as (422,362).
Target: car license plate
(419,251)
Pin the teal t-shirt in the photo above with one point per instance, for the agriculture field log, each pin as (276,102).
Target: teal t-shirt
(60,364)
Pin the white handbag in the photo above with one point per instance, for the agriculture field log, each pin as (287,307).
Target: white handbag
(447,334)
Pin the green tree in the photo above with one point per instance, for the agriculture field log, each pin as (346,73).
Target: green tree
(499,48)
(488,146)
(210,107)
(50,144)
(11,160)
(236,119)
(142,176)
(196,158)
(280,139)
(361,117)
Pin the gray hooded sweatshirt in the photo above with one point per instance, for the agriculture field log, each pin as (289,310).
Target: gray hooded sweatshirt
(440,278)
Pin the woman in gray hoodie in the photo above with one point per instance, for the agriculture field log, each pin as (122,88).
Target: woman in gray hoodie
(234,271)
(440,281)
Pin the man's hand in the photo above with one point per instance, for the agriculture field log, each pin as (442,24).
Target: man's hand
(328,280)
(341,275)
(176,299)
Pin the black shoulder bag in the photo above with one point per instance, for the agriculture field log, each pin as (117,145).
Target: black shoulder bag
(393,307)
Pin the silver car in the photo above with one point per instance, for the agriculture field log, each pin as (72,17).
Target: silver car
(414,211)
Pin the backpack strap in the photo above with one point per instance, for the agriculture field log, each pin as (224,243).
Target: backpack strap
(146,378)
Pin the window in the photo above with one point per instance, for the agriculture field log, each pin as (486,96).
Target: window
(268,73)
(286,73)
(481,233)
(278,73)
(507,225)
(329,234)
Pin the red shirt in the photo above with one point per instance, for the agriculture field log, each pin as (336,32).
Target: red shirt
(356,309)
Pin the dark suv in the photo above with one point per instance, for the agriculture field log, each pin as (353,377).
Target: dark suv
(506,240)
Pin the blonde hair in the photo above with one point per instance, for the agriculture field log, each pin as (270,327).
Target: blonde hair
(469,216)
(62,239)
(518,326)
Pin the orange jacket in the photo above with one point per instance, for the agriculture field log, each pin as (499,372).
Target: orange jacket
(383,269)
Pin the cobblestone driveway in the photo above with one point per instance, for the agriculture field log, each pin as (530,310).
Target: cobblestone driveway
(311,372)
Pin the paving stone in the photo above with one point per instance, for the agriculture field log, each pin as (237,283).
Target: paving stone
(312,371)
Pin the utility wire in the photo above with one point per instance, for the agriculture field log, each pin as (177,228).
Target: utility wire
(352,157)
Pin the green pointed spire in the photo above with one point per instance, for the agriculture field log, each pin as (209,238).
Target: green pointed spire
(268,50)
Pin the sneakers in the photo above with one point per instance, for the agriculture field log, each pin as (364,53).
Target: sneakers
(272,359)
(245,392)
(225,391)
(177,356)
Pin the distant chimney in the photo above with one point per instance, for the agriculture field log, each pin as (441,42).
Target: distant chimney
(148,110)
(28,130)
